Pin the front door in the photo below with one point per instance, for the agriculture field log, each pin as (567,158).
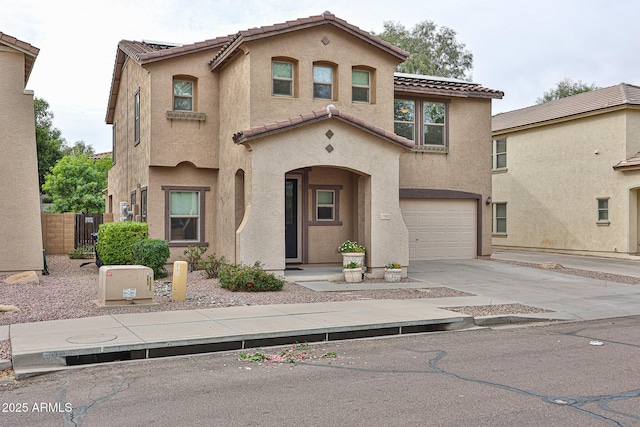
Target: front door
(292,232)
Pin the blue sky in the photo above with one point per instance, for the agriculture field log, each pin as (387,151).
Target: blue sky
(521,48)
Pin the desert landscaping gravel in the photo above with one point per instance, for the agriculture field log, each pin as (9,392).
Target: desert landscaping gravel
(69,291)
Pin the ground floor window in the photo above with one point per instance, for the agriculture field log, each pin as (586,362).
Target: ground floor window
(326,204)
(603,210)
(499,225)
(184,215)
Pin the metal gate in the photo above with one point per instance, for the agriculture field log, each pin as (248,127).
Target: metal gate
(86,224)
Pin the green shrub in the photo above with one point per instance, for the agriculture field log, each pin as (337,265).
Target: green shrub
(193,257)
(211,265)
(152,253)
(238,277)
(116,240)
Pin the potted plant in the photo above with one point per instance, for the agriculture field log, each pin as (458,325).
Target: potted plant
(352,272)
(352,252)
(392,272)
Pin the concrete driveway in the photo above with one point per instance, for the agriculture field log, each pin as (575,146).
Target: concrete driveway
(570,296)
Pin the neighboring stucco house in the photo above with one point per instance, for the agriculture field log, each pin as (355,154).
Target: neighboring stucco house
(277,144)
(20,228)
(566,174)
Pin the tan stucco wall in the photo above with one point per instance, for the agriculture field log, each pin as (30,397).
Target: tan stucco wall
(261,235)
(130,171)
(185,174)
(554,178)
(466,166)
(179,140)
(306,47)
(20,225)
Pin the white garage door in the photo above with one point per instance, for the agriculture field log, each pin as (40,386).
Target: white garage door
(440,228)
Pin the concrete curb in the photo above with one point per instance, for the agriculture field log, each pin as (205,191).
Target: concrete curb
(5,364)
(510,319)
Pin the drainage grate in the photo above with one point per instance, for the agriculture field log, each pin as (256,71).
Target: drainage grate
(183,350)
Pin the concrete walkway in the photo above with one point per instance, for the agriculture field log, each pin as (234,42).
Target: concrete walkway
(54,345)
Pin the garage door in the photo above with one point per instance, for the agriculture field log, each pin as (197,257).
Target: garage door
(440,228)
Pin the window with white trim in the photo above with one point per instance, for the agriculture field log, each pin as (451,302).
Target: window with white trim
(326,204)
(282,77)
(499,223)
(323,82)
(603,210)
(499,154)
(183,95)
(360,86)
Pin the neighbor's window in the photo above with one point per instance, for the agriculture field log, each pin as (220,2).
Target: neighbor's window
(182,95)
(143,205)
(499,225)
(185,213)
(361,86)
(282,74)
(114,133)
(136,117)
(322,82)
(499,154)
(603,210)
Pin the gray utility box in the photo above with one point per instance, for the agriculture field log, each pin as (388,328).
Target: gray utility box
(125,285)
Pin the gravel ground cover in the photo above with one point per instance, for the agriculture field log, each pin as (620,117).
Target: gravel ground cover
(69,291)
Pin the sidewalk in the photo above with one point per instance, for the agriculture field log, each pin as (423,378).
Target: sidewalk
(49,346)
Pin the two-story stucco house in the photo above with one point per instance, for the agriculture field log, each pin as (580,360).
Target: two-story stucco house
(279,143)
(567,173)
(20,225)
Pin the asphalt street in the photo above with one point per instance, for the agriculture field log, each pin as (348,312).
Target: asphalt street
(551,375)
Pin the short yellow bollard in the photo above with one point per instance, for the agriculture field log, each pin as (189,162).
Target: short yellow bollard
(179,285)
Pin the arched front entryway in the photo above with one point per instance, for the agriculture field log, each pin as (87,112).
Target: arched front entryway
(324,206)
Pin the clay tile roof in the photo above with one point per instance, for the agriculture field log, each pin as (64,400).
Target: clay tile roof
(31,52)
(316,116)
(149,51)
(230,49)
(632,163)
(430,85)
(598,100)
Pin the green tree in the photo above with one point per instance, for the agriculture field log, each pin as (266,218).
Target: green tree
(76,184)
(564,88)
(80,147)
(49,141)
(434,51)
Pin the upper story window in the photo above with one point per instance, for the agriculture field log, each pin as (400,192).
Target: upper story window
(282,76)
(424,122)
(136,119)
(360,86)
(323,82)
(182,95)
(499,154)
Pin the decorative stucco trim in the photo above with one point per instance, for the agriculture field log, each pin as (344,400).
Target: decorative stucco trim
(186,115)
(429,193)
